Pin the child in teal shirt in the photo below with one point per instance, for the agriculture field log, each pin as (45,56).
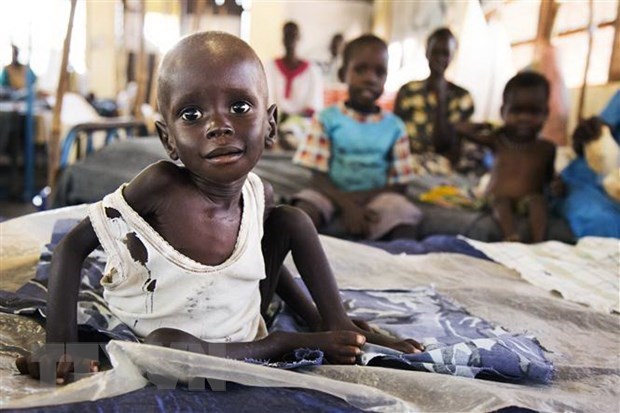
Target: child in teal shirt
(360,155)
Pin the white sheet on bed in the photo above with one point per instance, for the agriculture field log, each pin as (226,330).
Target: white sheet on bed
(583,343)
(587,273)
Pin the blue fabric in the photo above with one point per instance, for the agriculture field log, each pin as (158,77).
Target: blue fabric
(587,207)
(360,151)
(237,398)
(5,78)
(457,343)
(434,243)
(611,115)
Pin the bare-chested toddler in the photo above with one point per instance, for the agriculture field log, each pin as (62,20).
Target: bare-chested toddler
(523,162)
(195,250)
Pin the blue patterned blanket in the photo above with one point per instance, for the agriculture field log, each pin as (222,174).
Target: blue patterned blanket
(457,343)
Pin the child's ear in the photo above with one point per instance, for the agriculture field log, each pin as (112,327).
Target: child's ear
(502,111)
(166,140)
(272,121)
(341,74)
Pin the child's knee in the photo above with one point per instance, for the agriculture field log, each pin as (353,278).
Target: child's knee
(290,219)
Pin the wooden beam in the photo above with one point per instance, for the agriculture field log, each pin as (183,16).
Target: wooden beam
(198,13)
(548,12)
(584,85)
(570,32)
(141,67)
(53,148)
(153,91)
(614,66)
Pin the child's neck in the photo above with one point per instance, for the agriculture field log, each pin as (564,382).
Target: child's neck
(291,60)
(363,109)
(517,143)
(221,194)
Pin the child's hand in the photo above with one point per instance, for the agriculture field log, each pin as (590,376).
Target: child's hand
(406,346)
(471,129)
(341,347)
(38,364)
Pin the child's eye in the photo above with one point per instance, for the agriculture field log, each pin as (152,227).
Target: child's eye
(240,107)
(191,114)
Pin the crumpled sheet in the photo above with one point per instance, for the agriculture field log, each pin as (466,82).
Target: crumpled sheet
(586,273)
(583,343)
(456,342)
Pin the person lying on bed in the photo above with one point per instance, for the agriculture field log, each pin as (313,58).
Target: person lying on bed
(524,162)
(195,251)
(359,155)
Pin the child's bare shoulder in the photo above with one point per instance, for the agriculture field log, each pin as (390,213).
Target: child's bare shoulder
(152,182)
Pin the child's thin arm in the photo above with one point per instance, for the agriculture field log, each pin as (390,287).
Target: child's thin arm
(65,275)
(480,133)
(340,347)
(61,326)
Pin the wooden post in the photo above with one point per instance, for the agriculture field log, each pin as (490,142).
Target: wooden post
(153,92)
(141,67)
(198,12)
(614,67)
(584,85)
(548,12)
(53,148)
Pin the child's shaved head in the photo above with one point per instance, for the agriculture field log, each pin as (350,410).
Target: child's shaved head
(218,45)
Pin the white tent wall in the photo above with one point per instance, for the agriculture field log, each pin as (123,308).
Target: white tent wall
(318,21)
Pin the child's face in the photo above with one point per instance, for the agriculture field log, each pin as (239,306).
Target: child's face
(216,119)
(290,38)
(439,53)
(524,113)
(365,75)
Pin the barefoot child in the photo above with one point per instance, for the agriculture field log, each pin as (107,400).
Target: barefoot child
(524,163)
(359,155)
(195,251)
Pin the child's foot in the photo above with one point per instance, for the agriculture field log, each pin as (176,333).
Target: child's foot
(406,346)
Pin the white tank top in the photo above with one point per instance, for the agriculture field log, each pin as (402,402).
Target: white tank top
(164,288)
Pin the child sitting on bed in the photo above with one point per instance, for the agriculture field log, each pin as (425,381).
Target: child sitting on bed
(195,252)
(359,155)
(523,162)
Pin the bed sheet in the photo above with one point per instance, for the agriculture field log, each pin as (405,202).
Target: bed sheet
(456,342)
(587,273)
(583,343)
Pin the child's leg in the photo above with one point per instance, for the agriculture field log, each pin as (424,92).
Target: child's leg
(313,212)
(502,211)
(319,208)
(537,207)
(396,217)
(290,229)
